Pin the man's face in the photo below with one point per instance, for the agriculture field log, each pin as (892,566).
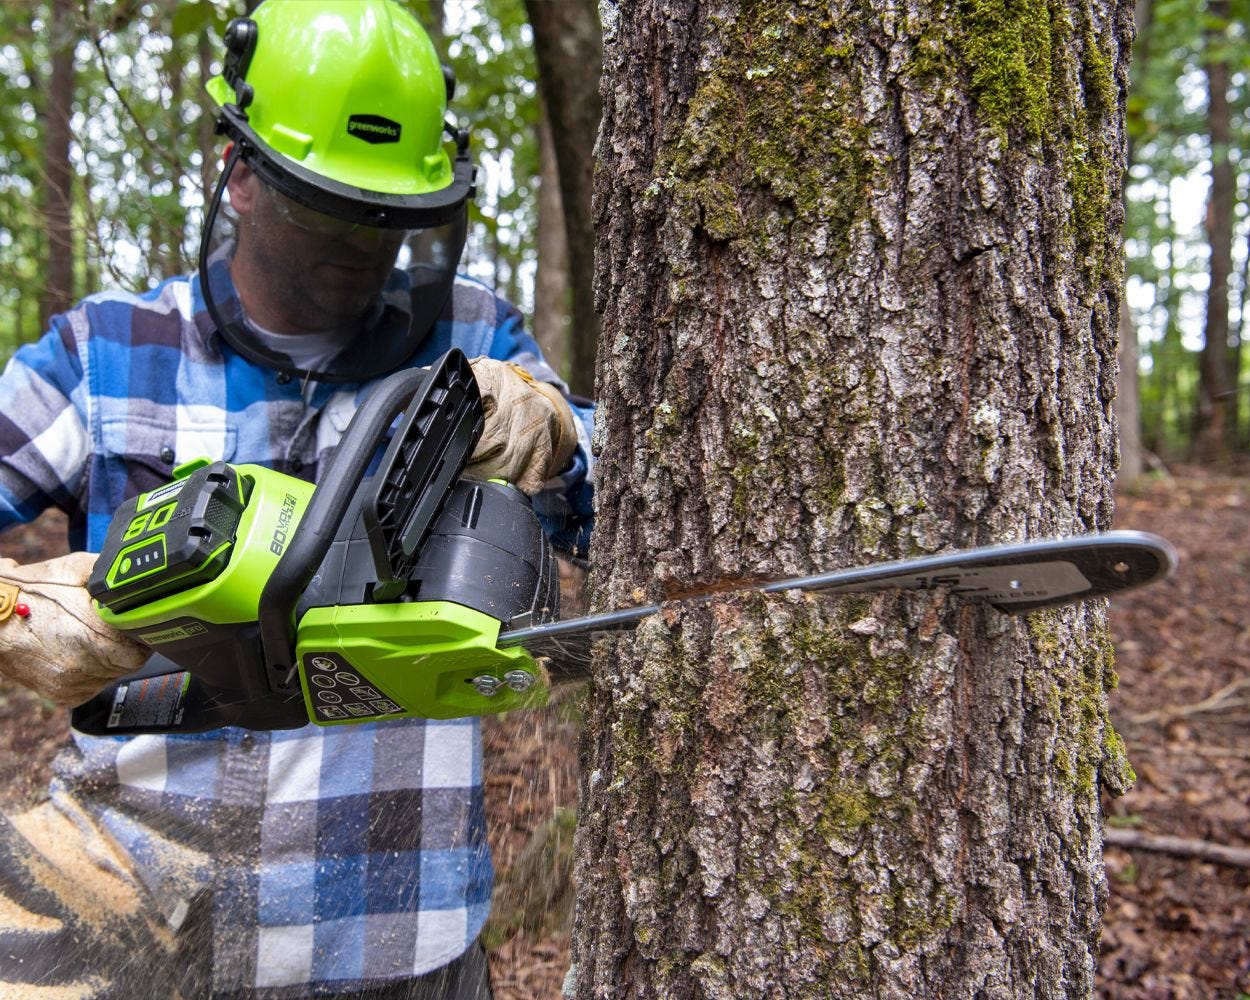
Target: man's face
(299,271)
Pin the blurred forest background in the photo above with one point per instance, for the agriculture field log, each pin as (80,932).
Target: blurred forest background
(106,152)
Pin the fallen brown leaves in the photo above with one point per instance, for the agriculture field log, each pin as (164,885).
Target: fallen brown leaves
(1179,927)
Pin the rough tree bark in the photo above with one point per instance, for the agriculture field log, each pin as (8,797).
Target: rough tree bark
(859,270)
(569,51)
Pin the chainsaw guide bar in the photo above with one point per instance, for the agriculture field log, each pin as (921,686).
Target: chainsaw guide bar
(396,587)
(1015,578)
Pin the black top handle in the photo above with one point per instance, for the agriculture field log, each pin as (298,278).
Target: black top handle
(443,423)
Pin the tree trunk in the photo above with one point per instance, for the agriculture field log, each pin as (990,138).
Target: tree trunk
(166,258)
(205,136)
(1216,400)
(569,51)
(1168,355)
(551,280)
(1240,439)
(436,26)
(1128,405)
(58,172)
(1128,410)
(859,272)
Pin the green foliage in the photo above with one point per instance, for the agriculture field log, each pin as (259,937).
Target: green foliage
(1165,240)
(135,152)
(21,235)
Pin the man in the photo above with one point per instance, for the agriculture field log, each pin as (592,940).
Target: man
(348,861)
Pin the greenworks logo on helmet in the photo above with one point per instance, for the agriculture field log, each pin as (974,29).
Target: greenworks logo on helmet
(373,128)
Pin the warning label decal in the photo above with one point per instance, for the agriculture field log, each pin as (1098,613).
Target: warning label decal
(338,694)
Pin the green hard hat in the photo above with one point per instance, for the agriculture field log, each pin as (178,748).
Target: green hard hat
(341,105)
(338,106)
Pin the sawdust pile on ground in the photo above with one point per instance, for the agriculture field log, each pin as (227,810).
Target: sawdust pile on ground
(1175,929)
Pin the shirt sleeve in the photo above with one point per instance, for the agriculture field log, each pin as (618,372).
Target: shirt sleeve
(566,506)
(44,440)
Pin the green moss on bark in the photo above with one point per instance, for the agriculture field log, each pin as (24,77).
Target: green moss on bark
(1007,47)
(773,119)
(1088,749)
(1022,57)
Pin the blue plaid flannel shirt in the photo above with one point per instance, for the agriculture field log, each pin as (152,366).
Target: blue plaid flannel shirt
(334,858)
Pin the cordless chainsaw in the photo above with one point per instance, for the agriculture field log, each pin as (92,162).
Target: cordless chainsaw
(409,590)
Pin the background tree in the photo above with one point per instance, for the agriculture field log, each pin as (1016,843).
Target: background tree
(1181,259)
(859,270)
(489,46)
(568,49)
(1128,383)
(552,301)
(536,152)
(21,231)
(58,179)
(1217,409)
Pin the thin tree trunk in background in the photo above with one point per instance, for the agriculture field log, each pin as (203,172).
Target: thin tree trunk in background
(1168,356)
(569,50)
(512,287)
(438,19)
(206,138)
(859,271)
(1128,405)
(1241,436)
(1216,416)
(167,233)
(496,250)
(58,172)
(551,282)
(1128,408)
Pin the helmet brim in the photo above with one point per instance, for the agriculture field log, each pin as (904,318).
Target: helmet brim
(379,209)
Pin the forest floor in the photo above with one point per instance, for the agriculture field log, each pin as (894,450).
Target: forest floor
(1176,927)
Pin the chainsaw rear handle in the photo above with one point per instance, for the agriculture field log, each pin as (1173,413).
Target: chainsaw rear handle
(330,502)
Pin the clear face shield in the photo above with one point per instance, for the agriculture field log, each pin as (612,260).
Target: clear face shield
(273,264)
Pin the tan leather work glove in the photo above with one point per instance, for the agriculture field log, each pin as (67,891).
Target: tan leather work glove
(529,434)
(59,647)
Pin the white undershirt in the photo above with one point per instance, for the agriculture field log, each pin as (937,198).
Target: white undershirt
(306,350)
(309,351)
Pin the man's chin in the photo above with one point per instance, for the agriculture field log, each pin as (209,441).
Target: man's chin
(345,296)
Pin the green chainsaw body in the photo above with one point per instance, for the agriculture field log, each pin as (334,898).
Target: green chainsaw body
(271,603)
(425,658)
